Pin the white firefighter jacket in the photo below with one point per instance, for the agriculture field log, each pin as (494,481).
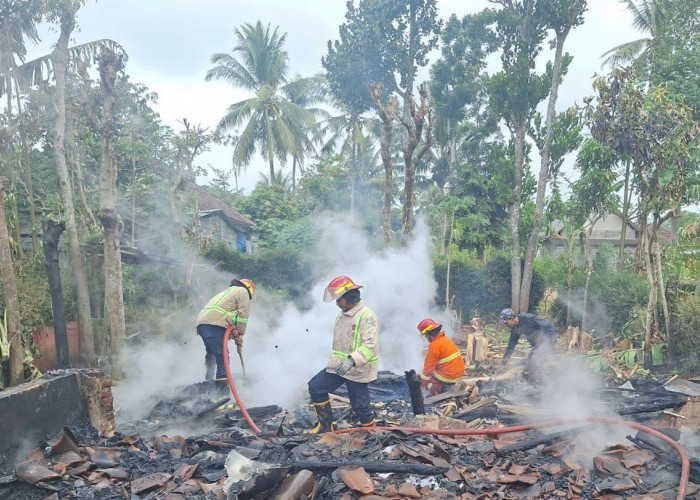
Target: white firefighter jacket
(356,335)
(228,308)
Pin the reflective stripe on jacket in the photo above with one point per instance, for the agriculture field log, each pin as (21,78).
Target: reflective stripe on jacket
(355,335)
(228,308)
(443,361)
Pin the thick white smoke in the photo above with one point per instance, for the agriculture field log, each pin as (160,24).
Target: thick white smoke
(284,347)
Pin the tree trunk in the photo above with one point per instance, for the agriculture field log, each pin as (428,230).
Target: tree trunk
(52,234)
(110,64)
(589,272)
(353,179)
(271,160)
(449,266)
(545,156)
(653,288)
(515,265)
(386,113)
(660,280)
(414,129)
(87,343)
(14,325)
(625,217)
(27,170)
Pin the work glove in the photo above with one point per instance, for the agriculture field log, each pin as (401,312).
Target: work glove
(345,366)
(238,339)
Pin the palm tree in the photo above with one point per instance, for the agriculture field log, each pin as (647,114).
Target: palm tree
(271,122)
(307,93)
(648,16)
(351,134)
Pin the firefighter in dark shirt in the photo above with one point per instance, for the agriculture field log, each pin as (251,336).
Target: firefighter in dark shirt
(539,332)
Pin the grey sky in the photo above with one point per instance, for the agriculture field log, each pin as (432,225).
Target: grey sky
(169,43)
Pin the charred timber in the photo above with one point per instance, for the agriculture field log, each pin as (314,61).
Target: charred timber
(52,234)
(549,438)
(414,390)
(370,466)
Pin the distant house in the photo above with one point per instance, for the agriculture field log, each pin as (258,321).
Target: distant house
(221,222)
(606,231)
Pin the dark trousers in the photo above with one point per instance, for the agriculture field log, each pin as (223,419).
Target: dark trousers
(213,338)
(323,382)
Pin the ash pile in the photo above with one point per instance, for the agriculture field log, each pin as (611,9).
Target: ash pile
(218,456)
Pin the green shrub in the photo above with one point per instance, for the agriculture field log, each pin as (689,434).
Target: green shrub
(614,300)
(283,269)
(684,346)
(481,287)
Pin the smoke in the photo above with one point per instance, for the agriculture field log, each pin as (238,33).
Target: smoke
(398,285)
(284,346)
(565,387)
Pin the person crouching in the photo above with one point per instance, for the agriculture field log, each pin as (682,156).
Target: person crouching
(444,364)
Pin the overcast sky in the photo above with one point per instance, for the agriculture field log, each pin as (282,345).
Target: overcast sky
(169,43)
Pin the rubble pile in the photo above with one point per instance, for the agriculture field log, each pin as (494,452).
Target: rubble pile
(284,464)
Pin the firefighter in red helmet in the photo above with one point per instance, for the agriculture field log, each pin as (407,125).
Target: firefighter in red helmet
(354,358)
(230,307)
(444,364)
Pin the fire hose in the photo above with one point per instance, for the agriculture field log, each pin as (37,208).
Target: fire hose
(685,461)
(232,385)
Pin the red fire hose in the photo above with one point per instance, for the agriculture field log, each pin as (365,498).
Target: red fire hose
(231,384)
(685,462)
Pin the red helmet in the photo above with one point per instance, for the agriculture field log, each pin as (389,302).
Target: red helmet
(246,283)
(337,287)
(428,325)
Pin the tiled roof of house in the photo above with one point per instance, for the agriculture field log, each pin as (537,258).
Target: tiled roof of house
(207,202)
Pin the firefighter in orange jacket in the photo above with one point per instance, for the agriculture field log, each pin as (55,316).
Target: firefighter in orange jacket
(444,364)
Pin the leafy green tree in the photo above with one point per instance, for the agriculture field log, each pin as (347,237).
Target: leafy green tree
(270,206)
(660,137)
(271,121)
(382,44)
(560,17)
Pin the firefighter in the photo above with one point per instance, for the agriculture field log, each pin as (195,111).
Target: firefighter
(230,307)
(444,364)
(539,332)
(354,358)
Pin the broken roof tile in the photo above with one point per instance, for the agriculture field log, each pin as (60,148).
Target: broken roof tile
(357,479)
(33,472)
(149,482)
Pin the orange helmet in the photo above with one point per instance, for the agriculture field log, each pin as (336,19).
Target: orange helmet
(246,283)
(337,287)
(428,325)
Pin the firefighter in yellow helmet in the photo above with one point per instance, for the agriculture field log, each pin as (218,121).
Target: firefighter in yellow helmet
(354,358)
(230,307)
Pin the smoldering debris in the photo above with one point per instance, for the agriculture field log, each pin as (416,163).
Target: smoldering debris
(221,453)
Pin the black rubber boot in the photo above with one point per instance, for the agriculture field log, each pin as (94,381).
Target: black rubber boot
(324,412)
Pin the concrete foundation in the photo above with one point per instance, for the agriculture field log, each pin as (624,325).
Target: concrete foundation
(36,411)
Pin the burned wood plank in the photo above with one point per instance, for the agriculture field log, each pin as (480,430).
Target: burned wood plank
(370,466)
(549,438)
(446,395)
(213,406)
(479,404)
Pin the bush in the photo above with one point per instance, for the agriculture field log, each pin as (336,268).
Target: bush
(481,287)
(614,299)
(684,345)
(283,269)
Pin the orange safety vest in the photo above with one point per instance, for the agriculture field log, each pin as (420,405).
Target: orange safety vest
(443,362)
